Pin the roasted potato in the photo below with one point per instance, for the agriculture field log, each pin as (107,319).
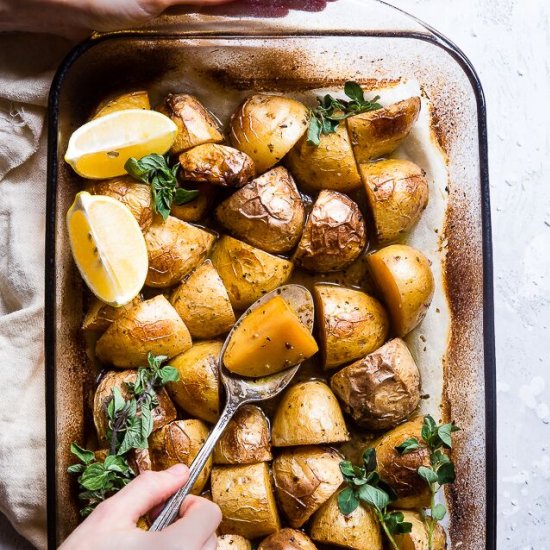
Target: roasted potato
(198,388)
(308,414)
(132,100)
(405,280)
(100,315)
(198,208)
(417,539)
(382,389)
(267,213)
(179,443)
(201,300)
(132,194)
(287,539)
(266,127)
(174,248)
(305,478)
(375,134)
(216,164)
(246,440)
(248,272)
(358,531)
(400,471)
(245,496)
(329,165)
(164,413)
(351,323)
(233,542)
(195,124)
(334,235)
(151,326)
(397,191)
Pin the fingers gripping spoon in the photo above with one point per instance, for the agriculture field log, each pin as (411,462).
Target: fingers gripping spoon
(240,390)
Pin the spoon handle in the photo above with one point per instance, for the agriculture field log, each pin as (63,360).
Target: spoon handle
(171,509)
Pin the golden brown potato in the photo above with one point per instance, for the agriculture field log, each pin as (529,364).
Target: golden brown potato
(351,323)
(382,389)
(358,531)
(175,248)
(334,235)
(397,191)
(400,471)
(245,496)
(375,134)
(330,165)
(305,478)
(246,440)
(100,315)
(195,124)
(201,300)
(266,127)
(179,443)
(198,208)
(197,390)
(135,196)
(216,164)
(287,539)
(405,280)
(417,539)
(308,414)
(132,100)
(233,542)
(164,413)
(247,272)
(267,213)
(151,326)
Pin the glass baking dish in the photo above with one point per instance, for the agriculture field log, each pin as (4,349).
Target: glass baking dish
(287,50)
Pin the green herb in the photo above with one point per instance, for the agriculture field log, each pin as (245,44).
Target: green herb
(441,470)
(364,484)
(156,171)
(326,117)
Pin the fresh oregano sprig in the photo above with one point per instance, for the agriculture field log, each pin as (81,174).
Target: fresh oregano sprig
(156,171)
(435,438)
(364,484)
(326,117)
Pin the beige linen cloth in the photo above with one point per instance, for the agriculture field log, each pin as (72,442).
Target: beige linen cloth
(27,65)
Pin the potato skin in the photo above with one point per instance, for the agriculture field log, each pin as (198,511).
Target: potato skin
(330,165)
(233,542)
(397,191)
(308,414)
(246,440)
(195,210)
(305,478)
(195,124)
(174,248)
(164,413)
(138,99)
(334,236)
(358,531)
(375,134)
(135,196)
(287,539)
(351,323)
(201,300)
(151,326)
(100,315)
(417,539)
(267,213)
(197,390)
(400,471)
(404,277)
(245,496)
(382,389)
(248,272)
(216,164)
(179,443)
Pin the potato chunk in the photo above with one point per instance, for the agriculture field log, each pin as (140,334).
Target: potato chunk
(100,315)
(417,539)
(233,542)
(198,208)
(131,100)
(287,539)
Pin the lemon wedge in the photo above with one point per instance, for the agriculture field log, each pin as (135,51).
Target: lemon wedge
(101,147)
(108,247)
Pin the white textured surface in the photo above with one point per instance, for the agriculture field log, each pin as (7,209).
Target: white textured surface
(508,42)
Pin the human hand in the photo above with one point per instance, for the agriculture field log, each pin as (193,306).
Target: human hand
(113,523)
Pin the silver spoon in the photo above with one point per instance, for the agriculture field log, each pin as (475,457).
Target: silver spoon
(239,391)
